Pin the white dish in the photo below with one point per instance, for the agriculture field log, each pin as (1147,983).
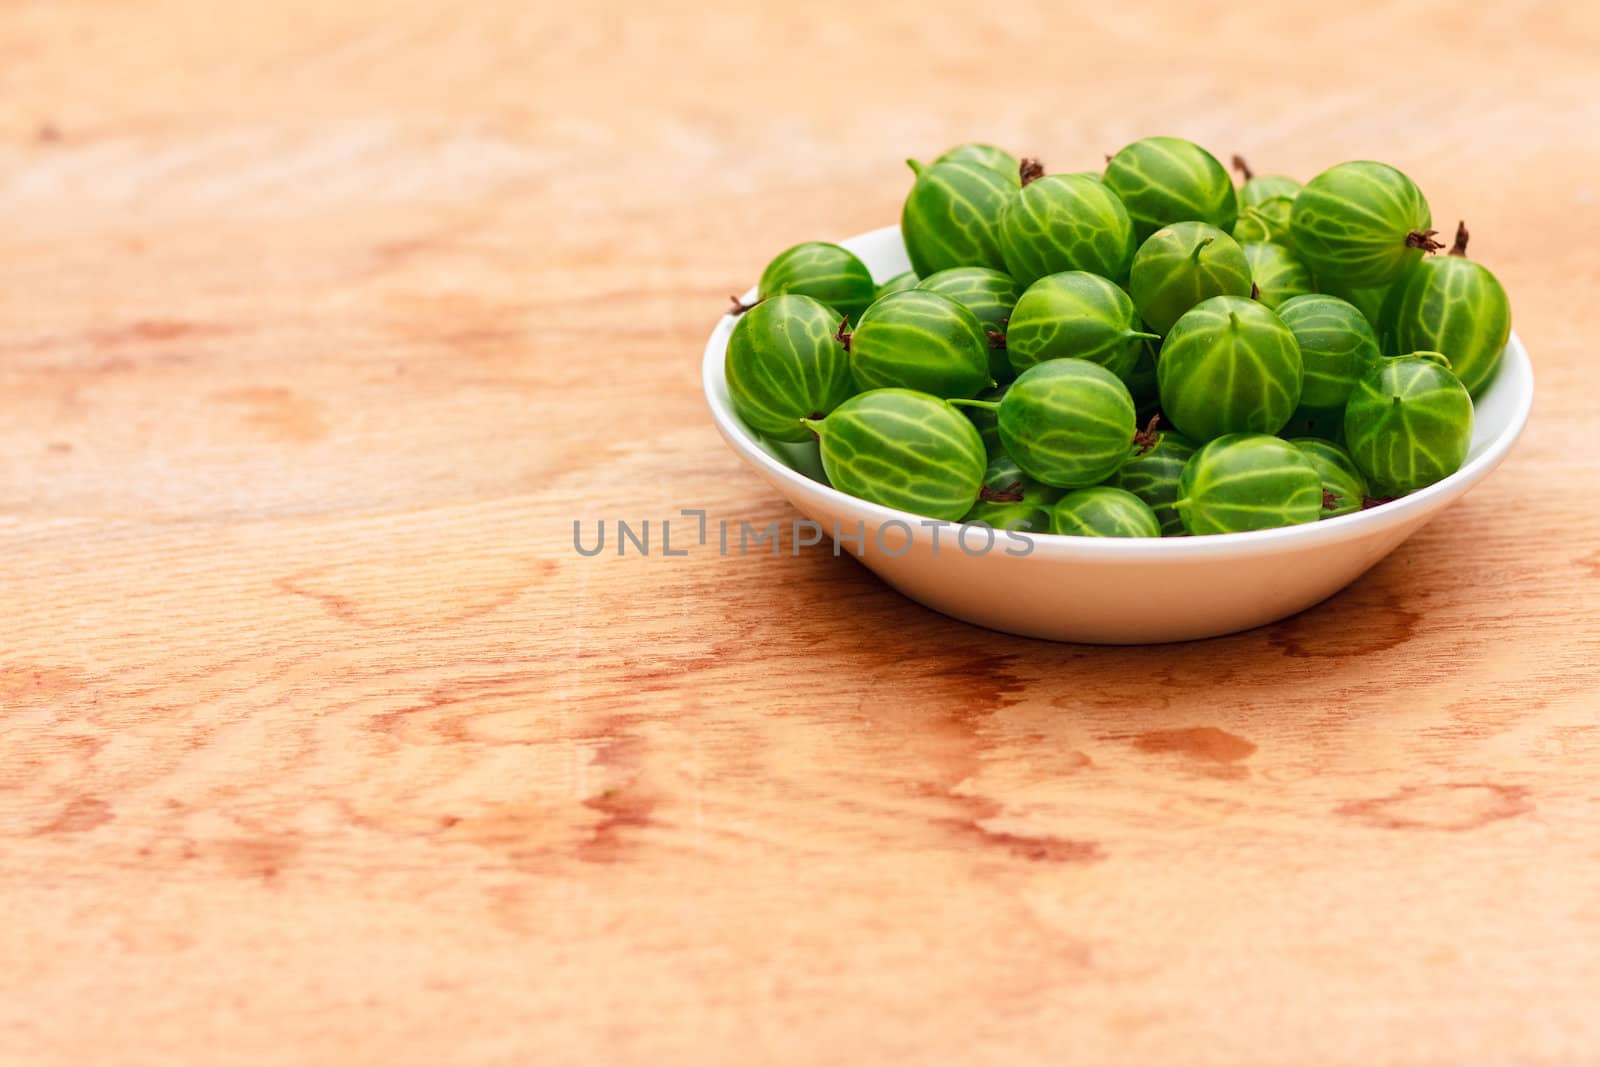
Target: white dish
(1115,590)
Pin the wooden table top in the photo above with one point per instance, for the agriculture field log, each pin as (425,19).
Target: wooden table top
(322,323)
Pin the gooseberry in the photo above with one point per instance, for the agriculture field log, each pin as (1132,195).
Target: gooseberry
(1229,365)
(1103,511)
(1078,315)
(916,339)
(1181,265)
(903,449)
(1361,224)
(1248,481)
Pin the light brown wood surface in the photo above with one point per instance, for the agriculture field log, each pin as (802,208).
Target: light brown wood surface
(321,323)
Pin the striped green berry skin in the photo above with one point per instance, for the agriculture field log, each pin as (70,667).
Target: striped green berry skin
(1266,221)
(904,280)
(1259,189)
(1277,274)
(1344,487)
(1152,476)
(824,272)
(988,294)
(903,449)
(951,217)
(1068,423)
(1078,315)
(1408,423)
(1065,222)
(1103,511)
(1337,347)
(1248,481)
(919,340)
(1369,301)
(1162,180)
(784,364)
(1230,365)
(1181,265)
(985,155)
(1452,305)
(1360,224)
(1025,515)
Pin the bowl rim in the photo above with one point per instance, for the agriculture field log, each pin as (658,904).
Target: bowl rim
(1515,371)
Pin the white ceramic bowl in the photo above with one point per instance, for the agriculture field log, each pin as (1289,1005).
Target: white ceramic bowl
(1114,590)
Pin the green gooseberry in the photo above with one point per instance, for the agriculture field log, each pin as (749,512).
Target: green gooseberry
(1229,365)
(1265,204)
(1278,276)
(951,217)
(1065,222)
(823,271)
(903,449)
(1266,221)
(1067,422)
(1181,265)
(784,364)
(1452,305)
(1162,180)
(985,155)
(1248,481)
(1408,423)
(1361,224)
(906,279)
(1152,474)
(915,339)
(988,294)
(1258,189)
(1344,487)
(1326,423)
(1103,511)
(1337,347)
(1079,315)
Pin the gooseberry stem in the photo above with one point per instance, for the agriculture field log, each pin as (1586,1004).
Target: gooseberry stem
(1009,495)
(1201,248)
(1147,336)
(842,334)
(1146,439)
(740,307)
(1460,247)
(1031,170)
(1242,167)
(986,405)
(1423,239)
(1233,316)
(916,168)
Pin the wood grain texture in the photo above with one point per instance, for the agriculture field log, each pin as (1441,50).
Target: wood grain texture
(321,324)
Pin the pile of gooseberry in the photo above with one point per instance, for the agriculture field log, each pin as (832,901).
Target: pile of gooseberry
(1142,351)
